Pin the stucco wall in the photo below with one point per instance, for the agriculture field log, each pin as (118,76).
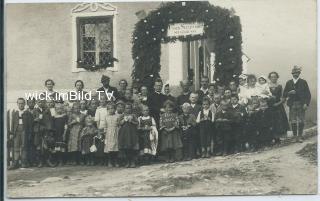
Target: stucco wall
(39,45)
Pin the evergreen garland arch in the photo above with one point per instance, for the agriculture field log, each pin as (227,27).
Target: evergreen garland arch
(219,24)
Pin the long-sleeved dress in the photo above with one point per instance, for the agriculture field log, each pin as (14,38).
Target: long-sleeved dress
(281,125)
(86,138)
(148,139)
(59,123)
(75,124)
(128,134)
(170,139)
(111,133)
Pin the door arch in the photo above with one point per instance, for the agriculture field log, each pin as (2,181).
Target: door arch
(219,23)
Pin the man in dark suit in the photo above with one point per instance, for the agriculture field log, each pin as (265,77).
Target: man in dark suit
(298,98)
(106,89)
(20,132)
(156,100)
(204,89)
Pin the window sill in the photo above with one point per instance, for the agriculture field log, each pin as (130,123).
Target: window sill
(110,69)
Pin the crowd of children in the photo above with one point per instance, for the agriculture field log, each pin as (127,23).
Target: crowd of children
(138,127)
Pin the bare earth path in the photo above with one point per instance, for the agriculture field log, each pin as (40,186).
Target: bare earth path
(274,171)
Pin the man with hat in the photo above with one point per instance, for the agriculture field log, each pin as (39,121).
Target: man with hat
(107,89)
(298,98)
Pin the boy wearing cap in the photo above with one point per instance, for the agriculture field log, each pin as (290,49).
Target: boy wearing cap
(298,97)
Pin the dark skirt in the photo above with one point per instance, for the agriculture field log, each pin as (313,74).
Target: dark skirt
(128,137)
(144,140)
(205,133)
(187,141)
(250,134)
(86,143)
(100,147)
(281,125)
(170,140)
(265,136)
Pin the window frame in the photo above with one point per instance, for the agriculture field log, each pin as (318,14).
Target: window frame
(76,39)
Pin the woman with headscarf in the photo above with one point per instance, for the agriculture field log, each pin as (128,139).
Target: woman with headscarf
(263,87)
(166,91)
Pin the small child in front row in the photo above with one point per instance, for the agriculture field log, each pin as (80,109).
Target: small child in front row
(264,124)
(31,150)
(75,123)
(187,122)
(100,117)
(148,135)
(250,124)
(60,125)
(111,136)
(86,140)
(205,119)
(223,123)
(169,129)
(240,117)
(195,109)
(42,128)
(128,136)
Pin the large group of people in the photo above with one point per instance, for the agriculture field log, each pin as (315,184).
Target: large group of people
(138,126)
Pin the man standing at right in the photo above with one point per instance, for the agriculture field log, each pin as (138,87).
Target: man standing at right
(298,98)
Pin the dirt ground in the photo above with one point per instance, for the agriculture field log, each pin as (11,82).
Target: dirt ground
(274,171)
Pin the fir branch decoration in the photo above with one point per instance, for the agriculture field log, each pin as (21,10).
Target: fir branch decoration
(219,24)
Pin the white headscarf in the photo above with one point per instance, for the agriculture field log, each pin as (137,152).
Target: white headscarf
(166,84)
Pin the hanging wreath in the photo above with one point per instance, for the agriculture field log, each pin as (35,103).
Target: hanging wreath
(220,24)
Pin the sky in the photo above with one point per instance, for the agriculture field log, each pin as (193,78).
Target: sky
(278,34)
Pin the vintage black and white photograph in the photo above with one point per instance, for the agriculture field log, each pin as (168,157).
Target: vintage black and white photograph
(161,98)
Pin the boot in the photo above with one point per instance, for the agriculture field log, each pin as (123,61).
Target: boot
(40,165)
(24,165)
(133,164)
(128,163)
(294,129)
(15,165)
(203,153)
(116,163)
(207,155)
(300,132)
(109,163)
